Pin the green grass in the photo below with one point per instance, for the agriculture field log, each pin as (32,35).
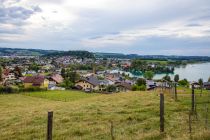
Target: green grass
(184,90)
(66,95)
(162,62)
(79,115)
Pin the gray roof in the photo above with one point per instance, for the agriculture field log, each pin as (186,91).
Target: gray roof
(206,83)
(92,80)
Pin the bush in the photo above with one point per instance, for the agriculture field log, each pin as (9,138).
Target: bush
(15,89)
(139,88)
(134,88)
(9,89)
(142,87)
(111,88)
(31,89)
(184,82)
(141,81)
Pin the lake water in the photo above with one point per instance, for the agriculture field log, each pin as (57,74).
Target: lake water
(192,72)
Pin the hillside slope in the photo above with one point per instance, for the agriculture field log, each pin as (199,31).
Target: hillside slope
(135,116)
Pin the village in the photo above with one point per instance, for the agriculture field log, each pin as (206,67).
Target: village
(72,73)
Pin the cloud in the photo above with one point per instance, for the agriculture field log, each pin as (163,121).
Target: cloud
(169,30)
(13,19)
(193,25)
(16,15)
(107,25)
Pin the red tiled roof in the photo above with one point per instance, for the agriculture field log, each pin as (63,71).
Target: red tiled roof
(57,78)
(6,72)
(36,80)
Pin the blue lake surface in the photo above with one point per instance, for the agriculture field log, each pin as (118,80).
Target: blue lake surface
(192,72)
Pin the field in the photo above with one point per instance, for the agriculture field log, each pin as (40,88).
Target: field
(78,115)
(162,62)
(61,95)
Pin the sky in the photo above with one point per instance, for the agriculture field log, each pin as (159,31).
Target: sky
(144,27)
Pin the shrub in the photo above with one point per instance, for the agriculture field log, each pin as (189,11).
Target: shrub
(141,81)
(134,87)
(142,87)
(139,88)
(111,88)
(31,89)
(183,82)
(9,89)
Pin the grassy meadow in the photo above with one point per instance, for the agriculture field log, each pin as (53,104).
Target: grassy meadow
(66,95)
(78,115)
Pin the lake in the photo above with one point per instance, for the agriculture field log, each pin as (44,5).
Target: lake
(192,72)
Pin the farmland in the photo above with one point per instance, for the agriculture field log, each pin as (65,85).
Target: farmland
(78,115)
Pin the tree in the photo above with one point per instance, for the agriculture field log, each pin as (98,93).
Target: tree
(34,67)
(209,79)
(148,75)
(176,78)
(63,73)
(71,75)
(67,84)
(167,78)
(141,81)
(200,81)
(17,72)
(183,82)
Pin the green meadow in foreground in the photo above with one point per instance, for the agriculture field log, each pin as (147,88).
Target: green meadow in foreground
(66,95)
(78,115)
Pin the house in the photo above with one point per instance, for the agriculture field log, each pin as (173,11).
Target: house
(88,83)
(104,83)
(114,77)
(162,84)
(54,80)
(196,85)
(57,78)
(206,85)
(36,81)
(131,82)
(123,87)
(150,84)
(8,75)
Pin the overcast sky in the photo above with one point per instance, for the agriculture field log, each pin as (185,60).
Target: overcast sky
(166,27)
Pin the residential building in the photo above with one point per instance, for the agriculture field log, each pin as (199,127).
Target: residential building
(35,81)
(88,83)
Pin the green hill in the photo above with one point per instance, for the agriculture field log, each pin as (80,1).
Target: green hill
(78,54)
(23,52)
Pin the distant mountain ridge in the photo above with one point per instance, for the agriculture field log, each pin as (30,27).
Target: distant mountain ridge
(159,57)
(23,52)
(78,54)
(87,54)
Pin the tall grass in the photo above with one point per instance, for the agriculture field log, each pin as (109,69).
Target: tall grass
(135,115)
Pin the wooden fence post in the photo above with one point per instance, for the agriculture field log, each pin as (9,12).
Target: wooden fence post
(190,123)
(161,112)
(206,118)
(112,130)
(175,91)
(49,125)
(193,100)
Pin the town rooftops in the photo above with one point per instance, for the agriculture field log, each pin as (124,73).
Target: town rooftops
(6,71)
(91,79)
(35,80)
(125,85)
(57,78)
